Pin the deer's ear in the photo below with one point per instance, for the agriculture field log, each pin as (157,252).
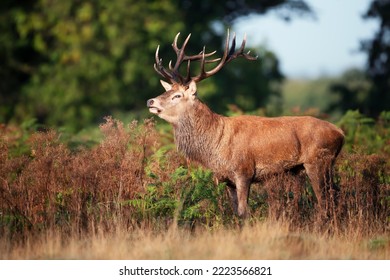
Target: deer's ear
(191,91)
(166,85)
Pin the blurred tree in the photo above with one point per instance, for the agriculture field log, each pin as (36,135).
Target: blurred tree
(71,62)
(308,96)
(16,56)
(352,90)
(92,57)
(369,91)
(248,84)
(378,65)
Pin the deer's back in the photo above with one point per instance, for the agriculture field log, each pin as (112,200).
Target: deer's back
(252,142)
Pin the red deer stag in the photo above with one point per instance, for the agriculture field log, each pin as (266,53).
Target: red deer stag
(244,149)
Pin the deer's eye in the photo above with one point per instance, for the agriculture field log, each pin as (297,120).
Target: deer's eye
(176,96)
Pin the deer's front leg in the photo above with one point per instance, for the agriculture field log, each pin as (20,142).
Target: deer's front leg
(233,196)
(242,189)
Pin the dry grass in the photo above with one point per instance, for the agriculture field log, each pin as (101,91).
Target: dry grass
(260,241)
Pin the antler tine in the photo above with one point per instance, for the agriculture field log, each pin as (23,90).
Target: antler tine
(246,55)
(204,74)
(181,57)
(233,47)
(240,52)
(200,55)
(228,55)
(173,74)
(225,53)
(160,68)
(174,44)
(249,57)
(188,77)
(180,52)
(202,62)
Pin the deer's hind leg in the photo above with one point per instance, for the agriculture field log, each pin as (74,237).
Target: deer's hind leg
(320,174)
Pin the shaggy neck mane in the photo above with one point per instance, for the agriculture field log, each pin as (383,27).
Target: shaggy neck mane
(198,133)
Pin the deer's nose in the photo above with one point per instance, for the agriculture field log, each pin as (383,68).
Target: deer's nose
(150,102)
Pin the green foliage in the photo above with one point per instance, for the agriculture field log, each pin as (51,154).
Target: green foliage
(307,97)
(202,201)
(16,138)
(331,95)
(188,198)
(91,57)
(351,91)
(262,86)
(364,135)
(70,63)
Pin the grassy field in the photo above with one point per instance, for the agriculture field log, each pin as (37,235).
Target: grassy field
(130,195)
(263,240)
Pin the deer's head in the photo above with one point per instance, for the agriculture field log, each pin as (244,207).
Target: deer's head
(174,102)
(180,94)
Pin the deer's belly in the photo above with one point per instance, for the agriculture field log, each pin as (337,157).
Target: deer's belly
(264,170)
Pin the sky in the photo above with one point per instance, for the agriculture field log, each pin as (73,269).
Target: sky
(308,48)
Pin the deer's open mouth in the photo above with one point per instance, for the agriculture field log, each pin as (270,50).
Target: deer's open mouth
(154,110)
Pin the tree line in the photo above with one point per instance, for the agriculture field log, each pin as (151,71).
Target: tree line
(69,63)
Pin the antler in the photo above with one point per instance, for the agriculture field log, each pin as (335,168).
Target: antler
(173,74)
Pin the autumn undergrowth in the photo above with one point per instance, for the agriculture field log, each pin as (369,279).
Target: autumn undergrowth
(133,185)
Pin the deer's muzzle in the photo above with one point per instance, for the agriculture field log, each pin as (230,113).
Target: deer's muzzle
(153,109)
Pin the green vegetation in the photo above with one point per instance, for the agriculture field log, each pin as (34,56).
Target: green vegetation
(134,176)
(307,96)
(68,64)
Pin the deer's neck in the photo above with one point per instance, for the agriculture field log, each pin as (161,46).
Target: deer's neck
(198,133)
